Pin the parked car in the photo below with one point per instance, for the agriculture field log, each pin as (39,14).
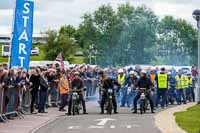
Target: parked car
(35,51)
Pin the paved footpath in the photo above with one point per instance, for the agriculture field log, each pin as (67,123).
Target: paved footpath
(29,123)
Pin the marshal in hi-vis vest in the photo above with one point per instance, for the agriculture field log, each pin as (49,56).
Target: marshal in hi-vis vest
(162,81)
(181,82)
(121,80)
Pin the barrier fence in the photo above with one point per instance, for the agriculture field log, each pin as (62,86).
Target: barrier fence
(15,101)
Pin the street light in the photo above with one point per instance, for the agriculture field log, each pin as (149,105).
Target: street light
(196,15)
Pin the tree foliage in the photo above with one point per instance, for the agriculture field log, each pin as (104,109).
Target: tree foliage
(127,35)
(59,42)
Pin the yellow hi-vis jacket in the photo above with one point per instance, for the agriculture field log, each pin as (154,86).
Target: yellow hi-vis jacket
(181,82)
(162,81)
(121,79)
(190,80)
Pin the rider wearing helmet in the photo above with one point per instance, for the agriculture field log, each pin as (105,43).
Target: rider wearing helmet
(144,82)
(77,83)
(107,83)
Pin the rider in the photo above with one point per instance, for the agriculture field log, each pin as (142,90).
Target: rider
(78,84)
(146,83)
(107,83)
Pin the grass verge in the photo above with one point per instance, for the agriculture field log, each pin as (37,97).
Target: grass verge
(189,120)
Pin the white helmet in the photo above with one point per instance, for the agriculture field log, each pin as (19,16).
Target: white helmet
(144,72)
(131,73)
(120,71)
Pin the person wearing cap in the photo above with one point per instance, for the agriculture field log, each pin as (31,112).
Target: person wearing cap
(77,83)
(162,86)
(63,86)
(107,83)
(130,83)
(180,87)
(144,82)
(121,80)
(190,90)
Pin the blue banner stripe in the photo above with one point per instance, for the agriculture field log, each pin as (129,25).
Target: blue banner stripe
(22,34)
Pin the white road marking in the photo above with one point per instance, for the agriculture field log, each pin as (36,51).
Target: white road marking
(112,126)
(73,127)
(103,121)
(96,127)
(135,125)
(128,126)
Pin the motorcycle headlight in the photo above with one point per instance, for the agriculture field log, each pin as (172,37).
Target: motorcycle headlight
(110,90)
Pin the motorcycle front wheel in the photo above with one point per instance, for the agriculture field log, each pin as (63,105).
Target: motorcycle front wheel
(109,108)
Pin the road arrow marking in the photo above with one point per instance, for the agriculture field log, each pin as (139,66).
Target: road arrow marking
(104,121)
(112,126)
(128,126)
(74,127)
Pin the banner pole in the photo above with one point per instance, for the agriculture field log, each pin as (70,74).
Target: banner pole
(11,36)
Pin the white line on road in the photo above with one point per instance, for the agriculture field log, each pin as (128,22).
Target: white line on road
(74,127)
(96,127)
(112,126)
(128,126)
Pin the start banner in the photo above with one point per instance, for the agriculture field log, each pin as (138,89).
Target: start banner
(22,34)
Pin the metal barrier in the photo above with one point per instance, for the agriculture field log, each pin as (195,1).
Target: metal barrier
(10,103)
(91,86)
(16,101)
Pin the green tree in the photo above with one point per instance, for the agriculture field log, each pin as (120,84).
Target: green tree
(176,41)
(57,43)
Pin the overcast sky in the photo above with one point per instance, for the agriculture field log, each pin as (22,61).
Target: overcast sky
(54,13)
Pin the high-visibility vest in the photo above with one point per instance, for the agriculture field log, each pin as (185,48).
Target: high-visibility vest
(152,77)
(186,81)
(121,79)
(63,82)
(190,80)
(162,81)
(180,82)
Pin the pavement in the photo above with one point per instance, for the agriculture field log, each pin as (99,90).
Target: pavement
(30,122)
(169,125)
(94,122)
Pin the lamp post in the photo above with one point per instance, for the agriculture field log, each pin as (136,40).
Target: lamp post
(196,15)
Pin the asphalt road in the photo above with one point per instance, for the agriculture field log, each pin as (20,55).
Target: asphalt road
(124,122)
